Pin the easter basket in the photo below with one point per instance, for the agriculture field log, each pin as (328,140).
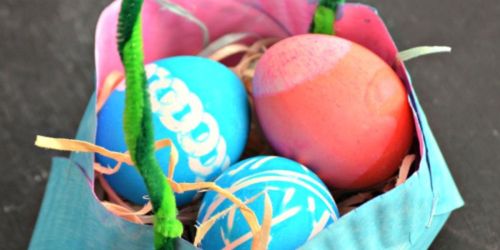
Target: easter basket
(409,216)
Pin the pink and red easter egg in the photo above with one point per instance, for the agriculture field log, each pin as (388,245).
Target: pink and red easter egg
(334,106)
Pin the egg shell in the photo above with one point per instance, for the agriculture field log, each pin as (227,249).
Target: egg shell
(334,106)
(302,205)
(199,104)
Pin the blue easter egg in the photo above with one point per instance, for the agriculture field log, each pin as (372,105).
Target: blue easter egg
(199,104)
(302,205)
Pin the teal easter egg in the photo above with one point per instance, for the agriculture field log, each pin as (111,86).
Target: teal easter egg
(200,105)
(302,206)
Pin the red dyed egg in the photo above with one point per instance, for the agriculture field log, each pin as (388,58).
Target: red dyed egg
(334,106)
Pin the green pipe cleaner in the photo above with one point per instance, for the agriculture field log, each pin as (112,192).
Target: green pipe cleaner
(324,17)
(139,128)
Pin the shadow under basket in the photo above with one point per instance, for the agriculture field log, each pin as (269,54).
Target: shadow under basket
(407,217)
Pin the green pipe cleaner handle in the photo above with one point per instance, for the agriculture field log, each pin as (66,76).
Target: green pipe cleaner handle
(324,17)
(138,127)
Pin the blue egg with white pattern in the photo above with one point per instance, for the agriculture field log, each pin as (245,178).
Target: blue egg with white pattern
(200,105)
(302,205)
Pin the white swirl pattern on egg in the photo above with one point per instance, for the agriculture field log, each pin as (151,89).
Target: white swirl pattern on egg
(170,97)
(197,103)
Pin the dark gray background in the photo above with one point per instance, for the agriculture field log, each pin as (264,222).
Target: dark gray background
(46,78)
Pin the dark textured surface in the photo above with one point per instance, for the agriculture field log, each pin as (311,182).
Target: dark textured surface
(46,77)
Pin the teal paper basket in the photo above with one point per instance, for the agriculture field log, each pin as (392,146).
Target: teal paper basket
(408,217)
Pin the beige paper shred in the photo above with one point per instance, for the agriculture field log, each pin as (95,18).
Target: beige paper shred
(228,51)
(110,84)
(253,53)
(261,240)
(79,146)
(127,214)
(204,227)
(207,225)
(246,64)
(174,155)
(247,213)
(224,41)
(202,231)
(404,170)
(107,171)
(124,211)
